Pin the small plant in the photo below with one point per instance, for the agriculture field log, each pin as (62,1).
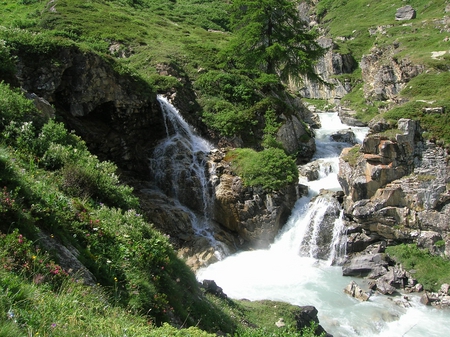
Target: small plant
(352,155)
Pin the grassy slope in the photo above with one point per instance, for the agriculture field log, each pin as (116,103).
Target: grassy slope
(50,182)
(417,39)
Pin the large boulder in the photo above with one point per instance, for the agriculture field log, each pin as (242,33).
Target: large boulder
(405,13)
(253,214)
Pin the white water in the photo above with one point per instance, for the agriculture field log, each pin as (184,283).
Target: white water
(288,271)
(180,149)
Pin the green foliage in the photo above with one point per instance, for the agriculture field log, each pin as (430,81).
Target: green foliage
(431,270)
(6,60)
(352,155)
(271,129)
(270,37)
(270,169)
(234,88)
(13,106)
(225,117)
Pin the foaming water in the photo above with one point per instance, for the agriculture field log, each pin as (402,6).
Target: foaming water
(179,166)
(289,270)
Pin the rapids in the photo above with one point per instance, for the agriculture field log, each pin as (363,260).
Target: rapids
(290,270)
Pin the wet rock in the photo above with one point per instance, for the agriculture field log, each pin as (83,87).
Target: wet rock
(355,291)
(344,136)
(304,318)
(211,287)
(365,264)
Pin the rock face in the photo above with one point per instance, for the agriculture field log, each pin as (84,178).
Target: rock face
(330,64)
(384,75)
(116,114)
(396,190)
(253,214)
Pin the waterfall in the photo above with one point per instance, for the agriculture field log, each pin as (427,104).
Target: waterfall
(298,269)
(179,165)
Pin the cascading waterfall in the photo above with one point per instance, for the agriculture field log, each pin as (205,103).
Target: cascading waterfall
(180,170)
(297,267)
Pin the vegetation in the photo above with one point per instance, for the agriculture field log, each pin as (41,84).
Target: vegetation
(431,271)
(270,37)
(361,25)
(270,168)
(352,155)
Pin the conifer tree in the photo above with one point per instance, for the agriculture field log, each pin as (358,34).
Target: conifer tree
(270,36)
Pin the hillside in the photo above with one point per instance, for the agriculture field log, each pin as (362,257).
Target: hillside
(79,251)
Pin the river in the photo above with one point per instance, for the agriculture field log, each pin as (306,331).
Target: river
(289,271)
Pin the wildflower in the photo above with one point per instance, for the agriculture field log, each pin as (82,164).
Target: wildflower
(52,236)
(53,325)
(10,314)
(115,279)
(33,257)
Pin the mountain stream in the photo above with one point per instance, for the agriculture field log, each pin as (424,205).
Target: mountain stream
(298,267)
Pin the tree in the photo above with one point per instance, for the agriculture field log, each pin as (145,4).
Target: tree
(270,36)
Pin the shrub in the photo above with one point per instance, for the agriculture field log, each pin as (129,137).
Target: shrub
(14,107)
(271,168)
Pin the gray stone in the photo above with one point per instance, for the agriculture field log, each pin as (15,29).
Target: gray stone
(405,13)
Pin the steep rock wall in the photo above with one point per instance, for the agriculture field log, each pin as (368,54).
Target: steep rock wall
(397,191)
(116,114)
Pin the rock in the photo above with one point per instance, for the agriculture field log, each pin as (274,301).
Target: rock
(436,110)
(385,284)
(280,323)
(427,239)
(445,288)
(112,112)
(424,299)
(211,287)
(253,214)
(355,291)
(331,64)
(344,136)
(385,75)
(418,288)
(364,264)
(67,258)
(304,318)
(405,13)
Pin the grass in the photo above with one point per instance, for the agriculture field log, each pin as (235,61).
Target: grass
(50,183)
(431,271)
(352,155)
(415,40)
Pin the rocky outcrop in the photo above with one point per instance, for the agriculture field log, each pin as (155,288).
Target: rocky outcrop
(384,75)
(355,291)
(254,214)
(331,64)
(396,190)
(116,114)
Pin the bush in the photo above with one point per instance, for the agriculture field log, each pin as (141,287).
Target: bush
(271,168)
(14,107)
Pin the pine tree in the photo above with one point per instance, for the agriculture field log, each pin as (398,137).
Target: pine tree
(269,36)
